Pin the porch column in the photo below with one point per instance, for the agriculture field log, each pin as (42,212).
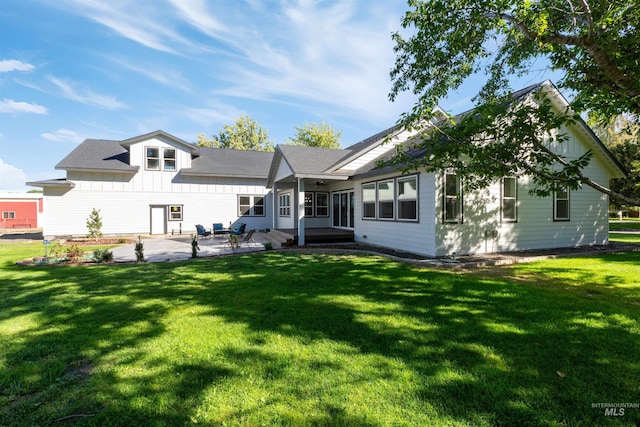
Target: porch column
(300,211)
(274,206)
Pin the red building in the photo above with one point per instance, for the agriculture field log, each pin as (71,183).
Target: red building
(20,210)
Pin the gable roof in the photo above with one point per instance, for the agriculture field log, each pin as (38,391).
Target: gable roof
(225,162)
(98,155)
(160,134)
(416,151)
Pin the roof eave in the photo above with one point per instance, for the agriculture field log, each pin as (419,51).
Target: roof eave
(133,170)
(52,184)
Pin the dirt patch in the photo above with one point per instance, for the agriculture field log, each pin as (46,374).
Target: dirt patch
(101,241)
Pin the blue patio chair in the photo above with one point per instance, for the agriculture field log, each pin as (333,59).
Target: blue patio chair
(218,229)
(238,229)
(201,231)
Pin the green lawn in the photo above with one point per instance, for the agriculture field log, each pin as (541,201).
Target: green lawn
(629,224)
(287,338)
(624,238)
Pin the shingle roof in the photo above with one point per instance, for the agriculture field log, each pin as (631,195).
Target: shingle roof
(225,162)
(98,154)
(311,160)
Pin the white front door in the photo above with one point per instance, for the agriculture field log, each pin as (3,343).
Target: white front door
(158,220)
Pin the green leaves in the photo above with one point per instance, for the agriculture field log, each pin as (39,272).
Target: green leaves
(245,134)
(314,135)
(594,44)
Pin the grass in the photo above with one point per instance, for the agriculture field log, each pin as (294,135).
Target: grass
(628,224)
(624,238)
(287,338)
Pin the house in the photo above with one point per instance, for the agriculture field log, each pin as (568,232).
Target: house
(159,184)
(20,210)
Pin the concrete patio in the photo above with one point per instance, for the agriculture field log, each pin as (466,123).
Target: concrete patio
(174,248)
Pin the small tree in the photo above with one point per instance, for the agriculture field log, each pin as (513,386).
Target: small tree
(139,250)
(94,224)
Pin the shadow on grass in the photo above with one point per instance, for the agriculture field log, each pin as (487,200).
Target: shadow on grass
(466,350)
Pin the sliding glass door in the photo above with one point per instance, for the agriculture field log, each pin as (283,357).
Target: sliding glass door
(343,209)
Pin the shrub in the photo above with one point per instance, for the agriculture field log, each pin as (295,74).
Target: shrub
(94,224)
(74,252)
(139,249)
(100,255)
(194,246)
(56,250)
(268,246)
(122,240)
(234,242)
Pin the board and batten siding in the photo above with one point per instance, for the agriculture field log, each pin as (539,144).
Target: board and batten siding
(417,237)
(126,210)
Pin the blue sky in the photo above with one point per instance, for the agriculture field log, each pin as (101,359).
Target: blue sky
(76,69)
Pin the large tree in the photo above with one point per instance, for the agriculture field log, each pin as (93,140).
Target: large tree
(621,136)
(594,44)
(314,135)
(245,134)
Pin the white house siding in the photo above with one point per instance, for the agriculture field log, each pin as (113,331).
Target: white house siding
(535,227)
(126,210)
(417,237)
(376,152)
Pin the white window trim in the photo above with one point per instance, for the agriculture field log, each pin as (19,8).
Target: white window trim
(147,157)
(284,210)
(252,205)
(317,205)
(514,198)
(555,206)
(398,199)
(162,161)
(373,185)
(8,214)
(459,195)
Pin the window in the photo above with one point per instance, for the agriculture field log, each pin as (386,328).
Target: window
(369,200)
(8,215)
(322,204)
(153,158)
(509,199)
(561,205)
(408,198)
(308,204)
(285,204)
(385,199)
(169,155)
(316,204)
(452,198)
(251,205)
(175,213)
(388,199)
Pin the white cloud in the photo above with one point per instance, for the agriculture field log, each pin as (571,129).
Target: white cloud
(161,74)
(11,177)
(7,65)
(85,96)
(63,135)
(11,106)
(140,22)
(339,55)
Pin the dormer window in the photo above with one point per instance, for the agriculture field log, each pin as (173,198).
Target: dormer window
(157,158)
(153,158)
(169,155)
